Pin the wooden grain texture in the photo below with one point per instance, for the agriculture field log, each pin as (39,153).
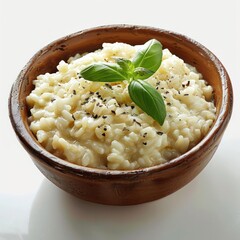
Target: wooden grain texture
(121,187)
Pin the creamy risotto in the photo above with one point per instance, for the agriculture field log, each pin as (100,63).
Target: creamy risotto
(97,125)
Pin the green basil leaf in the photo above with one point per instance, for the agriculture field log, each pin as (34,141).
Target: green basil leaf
(104,72)
(149,56)
(148,99)
(141,73)
(125,64)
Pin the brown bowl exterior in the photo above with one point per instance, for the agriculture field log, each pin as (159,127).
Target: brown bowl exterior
(121,187)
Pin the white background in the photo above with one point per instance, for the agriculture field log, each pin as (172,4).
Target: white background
(32,208)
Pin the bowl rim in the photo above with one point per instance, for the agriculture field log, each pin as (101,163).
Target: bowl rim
(35,149)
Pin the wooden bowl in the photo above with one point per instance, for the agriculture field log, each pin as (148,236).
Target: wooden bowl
(121,187)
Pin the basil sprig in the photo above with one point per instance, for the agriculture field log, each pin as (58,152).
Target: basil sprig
(144,64)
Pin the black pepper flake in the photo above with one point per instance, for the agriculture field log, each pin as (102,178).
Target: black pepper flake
(144,143)
(167,92)
(91,93)
(134,120)
(159,133)
(145,134)
(186,94)
(183,85)
(74,92)
(53,99)
(108,85)
(98,95)
(125,129)
(95,116)
(104,134)
(113,111)
(73,117)
(188,83)
(169,104)
(105,129)
(132,107)
(123,113)
(104,117)
(85,101)
(157,88)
